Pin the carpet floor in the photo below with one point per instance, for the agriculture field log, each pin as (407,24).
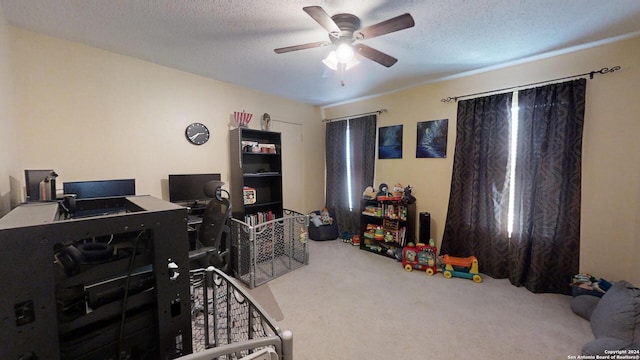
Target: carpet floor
(352,304)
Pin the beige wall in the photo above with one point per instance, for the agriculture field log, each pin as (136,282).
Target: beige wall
(610,230)
(7,119)
(91,114)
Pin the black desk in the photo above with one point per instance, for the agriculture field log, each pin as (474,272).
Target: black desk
(31,238)
(193,226)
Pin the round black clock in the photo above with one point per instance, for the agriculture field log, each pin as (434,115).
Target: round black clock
(197,133)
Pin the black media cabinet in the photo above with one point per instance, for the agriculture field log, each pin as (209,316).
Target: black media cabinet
(62,303)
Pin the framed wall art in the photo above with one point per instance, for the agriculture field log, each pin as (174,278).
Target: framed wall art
(390,142)
(431,139)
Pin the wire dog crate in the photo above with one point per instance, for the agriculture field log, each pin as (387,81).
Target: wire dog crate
(227,325)
(270,249)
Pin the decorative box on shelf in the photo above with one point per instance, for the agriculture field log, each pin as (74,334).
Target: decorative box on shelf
(267,148)
(249,195)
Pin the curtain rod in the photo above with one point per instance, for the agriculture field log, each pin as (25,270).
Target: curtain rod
(590,73)
(351,116)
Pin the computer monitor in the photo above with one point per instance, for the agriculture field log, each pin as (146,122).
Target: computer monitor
(100,188)
(189,188)
(32,182)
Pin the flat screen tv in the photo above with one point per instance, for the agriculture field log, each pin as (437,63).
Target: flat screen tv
(100,188)
(189,188)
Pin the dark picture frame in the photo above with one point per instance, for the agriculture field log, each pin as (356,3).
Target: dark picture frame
(390,142)
(431,138)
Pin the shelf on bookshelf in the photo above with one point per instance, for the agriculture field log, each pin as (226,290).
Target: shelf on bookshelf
(262,174)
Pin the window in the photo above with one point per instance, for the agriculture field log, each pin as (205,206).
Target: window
(516,185)
(350,155)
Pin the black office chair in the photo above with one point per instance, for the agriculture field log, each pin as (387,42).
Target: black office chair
(214,234)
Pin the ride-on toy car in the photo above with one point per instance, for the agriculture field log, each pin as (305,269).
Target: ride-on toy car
(466,268)
(420,257)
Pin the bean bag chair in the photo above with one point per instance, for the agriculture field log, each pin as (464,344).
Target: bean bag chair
(614,319)
(319,230)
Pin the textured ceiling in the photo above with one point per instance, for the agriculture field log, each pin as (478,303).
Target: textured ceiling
(233,40)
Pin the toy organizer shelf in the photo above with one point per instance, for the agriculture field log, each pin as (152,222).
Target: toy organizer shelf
(386,225)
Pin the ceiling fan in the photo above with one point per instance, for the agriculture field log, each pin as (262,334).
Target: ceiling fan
(344,30)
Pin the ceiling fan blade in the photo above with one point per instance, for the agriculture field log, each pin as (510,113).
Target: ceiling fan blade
(394,24)
(321,17)
(375,55)
(301,47)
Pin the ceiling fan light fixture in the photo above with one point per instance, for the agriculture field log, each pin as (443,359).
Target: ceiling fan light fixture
(343,30)
(353,62)
(344,53)
(331,61)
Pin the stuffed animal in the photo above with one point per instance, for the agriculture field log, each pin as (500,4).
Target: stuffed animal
(369,193)
(408,198)
(315,219)
(384,190)
(397,190)
(325,217)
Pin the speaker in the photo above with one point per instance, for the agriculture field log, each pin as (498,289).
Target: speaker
(425,227)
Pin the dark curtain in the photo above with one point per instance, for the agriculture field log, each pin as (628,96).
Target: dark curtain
(543,251)
(478,203)
(546,232)
(361,141)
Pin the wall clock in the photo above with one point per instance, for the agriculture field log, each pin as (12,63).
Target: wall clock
(197,133)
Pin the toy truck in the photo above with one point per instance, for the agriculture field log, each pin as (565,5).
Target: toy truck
(420,257)
(466,268)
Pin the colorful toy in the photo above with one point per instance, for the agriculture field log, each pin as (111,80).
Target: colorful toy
(325,217)
(304,236)
(466,268)
(385,194)
(397,191)
(346,237)
(383,190)
(379,234)
(389,237)
(421,257)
